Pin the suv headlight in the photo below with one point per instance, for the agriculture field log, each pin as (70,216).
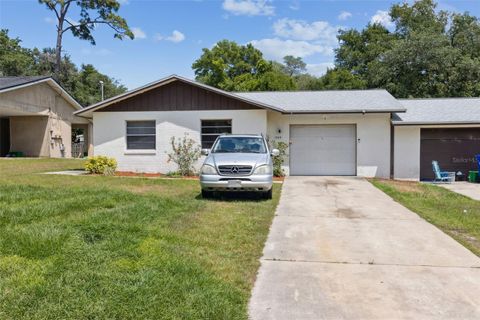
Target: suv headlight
(208,169)
(264,169)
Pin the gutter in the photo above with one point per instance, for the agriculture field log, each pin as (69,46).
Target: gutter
(342,111)
(420,123)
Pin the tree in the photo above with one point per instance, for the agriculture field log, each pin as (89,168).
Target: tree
(87,90)
(431,53)
(82,84)
(359,49)
(294,65)
(341,79)
(14,60)
(464,34)
(45,65)
(221,65)
(105,11)
(419,16)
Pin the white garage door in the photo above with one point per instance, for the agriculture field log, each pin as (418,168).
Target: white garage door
(323,150)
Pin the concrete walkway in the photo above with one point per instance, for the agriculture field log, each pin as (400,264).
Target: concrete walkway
(339,248)
(471,190)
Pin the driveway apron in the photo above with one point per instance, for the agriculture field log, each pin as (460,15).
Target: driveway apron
(339,248)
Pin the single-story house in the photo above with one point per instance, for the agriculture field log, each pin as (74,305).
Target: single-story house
(446,130)
(341,132)
(36,119)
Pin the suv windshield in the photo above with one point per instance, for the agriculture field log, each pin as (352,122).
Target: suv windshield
(239,145)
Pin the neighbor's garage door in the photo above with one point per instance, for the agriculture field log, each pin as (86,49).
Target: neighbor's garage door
(323,150)
(454,149)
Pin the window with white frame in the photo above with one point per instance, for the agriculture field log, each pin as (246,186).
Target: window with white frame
(211,129)
(141,135)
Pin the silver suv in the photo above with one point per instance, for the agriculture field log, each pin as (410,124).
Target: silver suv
(238,163)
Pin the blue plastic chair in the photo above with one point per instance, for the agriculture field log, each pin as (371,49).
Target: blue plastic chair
(442,176)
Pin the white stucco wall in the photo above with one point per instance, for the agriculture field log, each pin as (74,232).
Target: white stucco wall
(109,134)
(373,137)
(407,153)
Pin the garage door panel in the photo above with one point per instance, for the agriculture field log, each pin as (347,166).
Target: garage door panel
(323,150)
(454,149)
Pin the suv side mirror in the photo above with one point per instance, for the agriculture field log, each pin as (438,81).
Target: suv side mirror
(275,152)
(205,152)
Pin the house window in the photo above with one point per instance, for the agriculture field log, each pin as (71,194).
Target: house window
(141,135)
(211,129)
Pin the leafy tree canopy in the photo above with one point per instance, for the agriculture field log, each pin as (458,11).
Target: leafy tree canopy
(82,83)
(430,53)
(233,67)
(92,13)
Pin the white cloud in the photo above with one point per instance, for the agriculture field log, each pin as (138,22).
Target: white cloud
(277,48)
(175,37)
(249,7)
(383,18)
(344,15)
(320,31)
(139,33)
(319,69)
(295,5)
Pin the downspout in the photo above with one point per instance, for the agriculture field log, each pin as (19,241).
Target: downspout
(392,148)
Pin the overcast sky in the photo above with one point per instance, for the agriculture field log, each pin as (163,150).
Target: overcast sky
(171,34)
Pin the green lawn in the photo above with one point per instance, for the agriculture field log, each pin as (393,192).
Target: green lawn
(123,248)
(456,215)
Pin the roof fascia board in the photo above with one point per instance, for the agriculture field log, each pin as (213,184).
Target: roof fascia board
(344,111)
(64,93)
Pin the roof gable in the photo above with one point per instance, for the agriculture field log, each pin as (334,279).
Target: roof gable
(15,83)
(178,96)
(165,82)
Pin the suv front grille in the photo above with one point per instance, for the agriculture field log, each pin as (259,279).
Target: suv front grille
(234,170)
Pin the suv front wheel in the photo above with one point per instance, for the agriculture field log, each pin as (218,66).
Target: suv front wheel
(207,194)
(268,195)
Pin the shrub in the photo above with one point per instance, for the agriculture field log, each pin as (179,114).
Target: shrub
(280,159)
(101,165)
(185,152)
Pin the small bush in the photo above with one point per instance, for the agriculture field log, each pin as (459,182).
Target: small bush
(101,165)
(280,159)
(185,152)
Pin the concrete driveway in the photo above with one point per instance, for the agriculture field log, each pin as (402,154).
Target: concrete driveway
(471,190)
(339,248)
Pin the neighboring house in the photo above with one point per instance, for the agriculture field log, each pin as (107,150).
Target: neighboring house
(446,130)
(344,132)
(36,118)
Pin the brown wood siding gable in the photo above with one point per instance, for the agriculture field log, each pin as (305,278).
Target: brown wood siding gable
(178,96)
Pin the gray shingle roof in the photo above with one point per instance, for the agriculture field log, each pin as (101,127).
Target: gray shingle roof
(332,101)
(9,82)
(439,111)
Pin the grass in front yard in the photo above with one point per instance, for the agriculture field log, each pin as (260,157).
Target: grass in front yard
(456,215)
(123,248)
